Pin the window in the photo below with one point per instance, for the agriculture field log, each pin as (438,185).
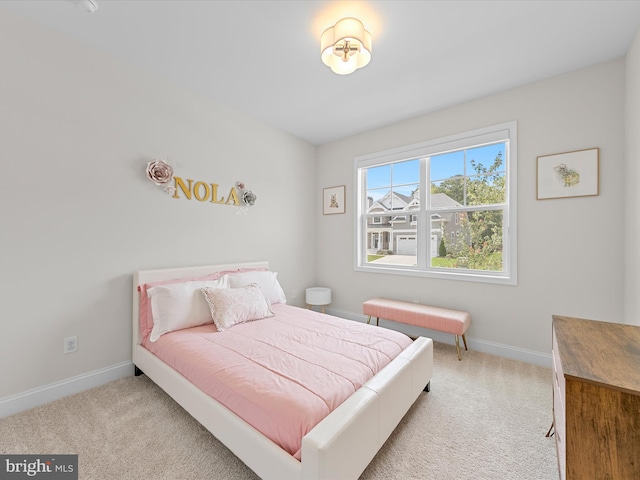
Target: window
(459,194)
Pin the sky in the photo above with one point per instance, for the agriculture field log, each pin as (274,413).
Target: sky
(405,176)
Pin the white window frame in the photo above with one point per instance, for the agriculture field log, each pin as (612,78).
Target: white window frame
(506,132)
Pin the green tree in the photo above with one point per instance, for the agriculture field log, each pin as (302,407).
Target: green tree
(442,249)
(481,241)
(487,188)
(453,187)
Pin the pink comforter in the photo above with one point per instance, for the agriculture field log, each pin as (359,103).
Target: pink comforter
(283,374)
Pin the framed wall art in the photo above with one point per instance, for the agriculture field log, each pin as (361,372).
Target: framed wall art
(333,199)
(570,174)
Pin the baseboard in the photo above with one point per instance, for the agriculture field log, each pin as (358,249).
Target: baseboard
(64,388)
(484,346)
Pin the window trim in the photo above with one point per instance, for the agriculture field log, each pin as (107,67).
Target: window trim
(497,133)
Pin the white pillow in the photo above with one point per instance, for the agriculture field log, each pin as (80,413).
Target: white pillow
(231,306)
(180,305)
(266,280)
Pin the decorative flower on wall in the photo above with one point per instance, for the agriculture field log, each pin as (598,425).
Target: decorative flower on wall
(161,173)
(248,198)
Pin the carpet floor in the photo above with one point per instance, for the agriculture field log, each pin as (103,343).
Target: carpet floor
(485,418)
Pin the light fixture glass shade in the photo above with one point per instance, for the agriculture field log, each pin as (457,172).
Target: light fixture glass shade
(346,46)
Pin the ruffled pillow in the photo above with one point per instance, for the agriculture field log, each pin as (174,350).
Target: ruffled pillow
(232,306)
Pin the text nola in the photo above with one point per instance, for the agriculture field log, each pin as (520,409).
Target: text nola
(204,192)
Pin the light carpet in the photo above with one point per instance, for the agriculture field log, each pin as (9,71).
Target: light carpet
(485,418)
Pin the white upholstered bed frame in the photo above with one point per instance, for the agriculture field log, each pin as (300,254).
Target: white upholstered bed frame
(339,447)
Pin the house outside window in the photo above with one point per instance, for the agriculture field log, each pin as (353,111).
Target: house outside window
(449,207)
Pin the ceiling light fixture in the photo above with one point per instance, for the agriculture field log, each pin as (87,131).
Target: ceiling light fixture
(346,46)
(87,5)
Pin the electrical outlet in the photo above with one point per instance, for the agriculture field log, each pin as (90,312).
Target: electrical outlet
(70,344)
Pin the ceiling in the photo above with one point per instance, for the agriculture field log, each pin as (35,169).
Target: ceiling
(262,57)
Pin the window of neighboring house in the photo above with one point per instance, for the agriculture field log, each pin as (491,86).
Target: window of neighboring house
(461,192)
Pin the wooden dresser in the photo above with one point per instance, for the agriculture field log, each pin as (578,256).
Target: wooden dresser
(596,399)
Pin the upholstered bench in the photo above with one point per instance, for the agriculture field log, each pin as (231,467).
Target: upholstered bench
(445,320)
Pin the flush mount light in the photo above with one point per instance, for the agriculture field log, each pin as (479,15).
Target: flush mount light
(346,46)
(87,5)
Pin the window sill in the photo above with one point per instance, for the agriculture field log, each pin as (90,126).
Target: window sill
(463,275)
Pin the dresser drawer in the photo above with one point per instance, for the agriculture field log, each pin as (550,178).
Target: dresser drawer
(559,428)
(559,399)
(558,373)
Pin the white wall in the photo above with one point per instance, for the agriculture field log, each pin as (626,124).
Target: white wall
(632,183)
(79,216)
(570,251)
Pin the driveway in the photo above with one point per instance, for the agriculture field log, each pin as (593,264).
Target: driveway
(397,260)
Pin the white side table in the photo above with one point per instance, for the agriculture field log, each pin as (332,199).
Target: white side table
(318,296)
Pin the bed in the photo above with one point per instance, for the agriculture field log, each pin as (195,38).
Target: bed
(340,446)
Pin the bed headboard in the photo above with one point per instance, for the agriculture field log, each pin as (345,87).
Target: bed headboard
(182,273)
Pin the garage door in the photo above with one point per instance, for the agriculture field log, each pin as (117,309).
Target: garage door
(407,245)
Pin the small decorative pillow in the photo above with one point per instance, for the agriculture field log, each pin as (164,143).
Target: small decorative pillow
(231,306)
(266,280)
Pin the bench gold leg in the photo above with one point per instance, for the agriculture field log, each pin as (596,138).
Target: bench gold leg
(458,347)
(464,339)
(368,319)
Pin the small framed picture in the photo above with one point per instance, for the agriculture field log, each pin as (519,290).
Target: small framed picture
(570,174)
(333,200)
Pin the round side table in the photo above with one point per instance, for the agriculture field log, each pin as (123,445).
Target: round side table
(320,296)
